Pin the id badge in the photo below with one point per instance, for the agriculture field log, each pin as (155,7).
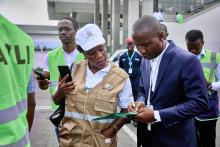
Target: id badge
(130,70)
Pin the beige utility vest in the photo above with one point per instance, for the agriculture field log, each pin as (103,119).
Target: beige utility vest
(77,128)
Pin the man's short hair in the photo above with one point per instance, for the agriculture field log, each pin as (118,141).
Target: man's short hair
(73,20)
(147,22)
(194,35)
(164,28)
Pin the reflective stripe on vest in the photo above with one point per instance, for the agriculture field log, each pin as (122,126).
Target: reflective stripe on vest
(12,113)
(76,115)
(209,64)
(20,143)
(207,119)
(17,60)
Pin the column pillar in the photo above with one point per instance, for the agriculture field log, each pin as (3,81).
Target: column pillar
(115,25)
(104,21)
(133,14)
(96,12)
(147,7)
(125,22)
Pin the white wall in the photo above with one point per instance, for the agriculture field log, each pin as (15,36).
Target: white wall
(40,56)
(45,37)
(208,22)
(29,12)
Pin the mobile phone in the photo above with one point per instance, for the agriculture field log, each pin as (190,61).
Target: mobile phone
(64,70)
(40,74)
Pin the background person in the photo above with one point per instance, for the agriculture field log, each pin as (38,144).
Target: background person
(155,14)
(65,55)
(130,61)
(160,15)
(206,122)
(98,87)
(16,63)
(172,87)
(179,18)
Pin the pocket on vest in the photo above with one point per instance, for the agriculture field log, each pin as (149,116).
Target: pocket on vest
(105,102)
(65,133)
(71,134)
(102,141)
(70,99)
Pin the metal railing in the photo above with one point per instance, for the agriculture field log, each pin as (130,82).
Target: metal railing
(183,6)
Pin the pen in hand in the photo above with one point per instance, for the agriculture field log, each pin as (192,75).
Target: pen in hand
(133,105)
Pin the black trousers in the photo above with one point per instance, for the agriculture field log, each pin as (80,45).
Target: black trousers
(206,133)
(143,136)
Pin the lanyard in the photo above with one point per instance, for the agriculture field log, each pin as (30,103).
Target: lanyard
(130,59)
(148,101)
(149,91)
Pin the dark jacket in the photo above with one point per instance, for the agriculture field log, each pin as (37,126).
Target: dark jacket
(135,75)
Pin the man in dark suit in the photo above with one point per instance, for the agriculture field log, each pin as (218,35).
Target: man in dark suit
(172,87)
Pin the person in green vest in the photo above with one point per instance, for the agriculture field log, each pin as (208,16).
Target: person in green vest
(65,55)
(16,63)
(206,122)
(179,18)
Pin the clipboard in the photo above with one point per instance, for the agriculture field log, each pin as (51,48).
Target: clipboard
(117,115)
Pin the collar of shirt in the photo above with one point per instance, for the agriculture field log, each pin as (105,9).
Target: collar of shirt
(130,53)
(70,58)
(202,54)
(158,58)
(93,79)
(154,63)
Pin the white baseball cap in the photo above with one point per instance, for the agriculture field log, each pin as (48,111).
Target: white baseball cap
(89,37)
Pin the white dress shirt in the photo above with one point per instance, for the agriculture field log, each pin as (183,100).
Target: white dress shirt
(155,14)
(124,97)
(155,63)
(202,54)
(160,16)
(68,58)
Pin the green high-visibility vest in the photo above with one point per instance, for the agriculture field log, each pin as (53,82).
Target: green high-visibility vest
(180,18)
(209,64)
(16,63)
(55,58)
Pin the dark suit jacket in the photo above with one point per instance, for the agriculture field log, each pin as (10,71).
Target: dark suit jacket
(180,94)
(135,75)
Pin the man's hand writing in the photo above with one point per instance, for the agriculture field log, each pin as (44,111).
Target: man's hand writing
(146,115)
(135,107)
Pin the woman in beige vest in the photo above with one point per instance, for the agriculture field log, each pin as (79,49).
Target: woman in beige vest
(96,90)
